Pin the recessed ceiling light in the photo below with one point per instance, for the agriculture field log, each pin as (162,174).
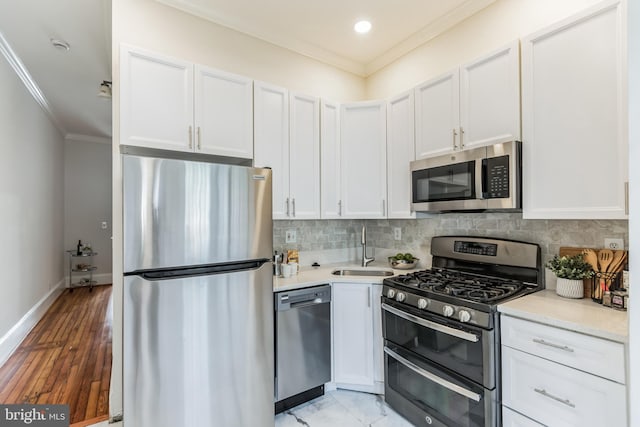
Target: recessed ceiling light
(60,44)
(362,27)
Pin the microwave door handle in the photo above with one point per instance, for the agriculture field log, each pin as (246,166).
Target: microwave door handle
(484,178)
(436,379)
(431,325)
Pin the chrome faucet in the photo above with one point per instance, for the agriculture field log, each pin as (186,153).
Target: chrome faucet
(365,260)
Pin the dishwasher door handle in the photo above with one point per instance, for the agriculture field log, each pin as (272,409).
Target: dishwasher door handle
(307,303)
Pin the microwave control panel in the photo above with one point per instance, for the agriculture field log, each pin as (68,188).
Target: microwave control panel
(497,177)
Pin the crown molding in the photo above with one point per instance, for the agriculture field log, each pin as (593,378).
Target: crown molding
(87,138)
(32,87)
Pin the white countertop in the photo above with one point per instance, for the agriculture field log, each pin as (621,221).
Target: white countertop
(312,276)
(580,315)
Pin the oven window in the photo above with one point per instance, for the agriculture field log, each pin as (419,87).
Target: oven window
(439,395)
(463,353)
(450,182)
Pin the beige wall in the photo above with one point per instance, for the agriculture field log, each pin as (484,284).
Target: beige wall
(31,209)
(87,201)
(493,27)
(151,25)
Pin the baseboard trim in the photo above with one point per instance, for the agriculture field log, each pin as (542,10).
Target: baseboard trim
(12,339)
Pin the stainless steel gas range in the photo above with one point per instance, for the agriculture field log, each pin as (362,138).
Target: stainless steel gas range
(442,331)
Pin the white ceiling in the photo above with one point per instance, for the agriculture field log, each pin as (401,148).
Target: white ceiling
(324,29)
(69,81)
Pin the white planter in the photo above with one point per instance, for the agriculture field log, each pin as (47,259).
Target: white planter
(569,288)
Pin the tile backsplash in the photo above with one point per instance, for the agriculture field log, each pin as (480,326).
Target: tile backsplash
(335,235)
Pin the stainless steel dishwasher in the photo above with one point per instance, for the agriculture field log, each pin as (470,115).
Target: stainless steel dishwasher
(303,345)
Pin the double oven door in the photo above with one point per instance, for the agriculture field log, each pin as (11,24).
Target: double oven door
(439,372)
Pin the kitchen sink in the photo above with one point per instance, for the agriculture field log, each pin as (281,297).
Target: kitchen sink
(356,272)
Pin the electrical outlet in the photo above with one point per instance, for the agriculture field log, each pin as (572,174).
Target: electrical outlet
(614,243)
(397,233)
(290,236)
(104,225)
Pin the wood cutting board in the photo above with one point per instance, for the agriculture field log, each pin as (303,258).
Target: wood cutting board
(572,251)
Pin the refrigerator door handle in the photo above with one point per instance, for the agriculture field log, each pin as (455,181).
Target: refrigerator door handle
(201,270)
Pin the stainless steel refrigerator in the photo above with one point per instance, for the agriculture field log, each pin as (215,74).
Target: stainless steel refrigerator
(198,302)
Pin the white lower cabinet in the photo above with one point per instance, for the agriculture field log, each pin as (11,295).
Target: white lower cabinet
(513,419)
(545,378)
(357,349)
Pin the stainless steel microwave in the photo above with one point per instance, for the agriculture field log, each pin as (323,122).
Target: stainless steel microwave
(478,179)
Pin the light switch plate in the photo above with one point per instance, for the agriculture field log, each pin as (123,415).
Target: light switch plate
(290,236)
(397,233)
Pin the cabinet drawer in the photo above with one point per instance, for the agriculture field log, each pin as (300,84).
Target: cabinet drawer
(590,354)
(511,418)
(559,396)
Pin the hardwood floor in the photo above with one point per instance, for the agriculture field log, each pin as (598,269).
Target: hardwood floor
(66,358)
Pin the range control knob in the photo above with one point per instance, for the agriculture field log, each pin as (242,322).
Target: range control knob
(391,293)
(464,316)
(422,303)
(447,310)
(400,297)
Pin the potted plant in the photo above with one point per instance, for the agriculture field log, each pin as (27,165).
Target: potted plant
(570,271)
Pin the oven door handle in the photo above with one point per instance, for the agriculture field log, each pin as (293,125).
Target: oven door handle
(431,325)
(436,379)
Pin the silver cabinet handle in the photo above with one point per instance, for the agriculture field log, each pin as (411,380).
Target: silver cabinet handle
(199,139)
(556,398)
(431,325)
(626,198)
(190,137)
(293,205)
(550,344)
(384,207)
(461,137)
(436,379)
(369,298)
(287,203)
(339,207)
(454,138)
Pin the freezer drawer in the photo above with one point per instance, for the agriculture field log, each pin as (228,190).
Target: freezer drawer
(198,351)
(303,340)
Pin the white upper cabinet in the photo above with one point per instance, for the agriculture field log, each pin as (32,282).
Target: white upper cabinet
(490,98)
(575,150)
(161,106)
(400,152)
(474,105)
(437,115)
(223,113)
(363,160)
(156,100)
(271,143)
(304,156)
(287,139)
(331,199)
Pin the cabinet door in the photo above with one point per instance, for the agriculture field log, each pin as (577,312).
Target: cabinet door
(156,100)
(304,156)
(400,152)
(271,124)
(438,115)
(513,419)
(556,395)
(352,335)
(364,165)
(331,203)
(490,98)
(223,113)
(574,118)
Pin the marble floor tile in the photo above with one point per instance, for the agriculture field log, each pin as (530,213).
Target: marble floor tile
(342,408)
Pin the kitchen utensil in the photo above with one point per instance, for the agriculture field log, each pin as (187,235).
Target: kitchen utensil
(591,257)
(605,257)
(619,259)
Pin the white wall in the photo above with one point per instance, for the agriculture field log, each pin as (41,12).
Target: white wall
(491,28)
(149,24)
(31,195)
(87,202)
(634,207)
